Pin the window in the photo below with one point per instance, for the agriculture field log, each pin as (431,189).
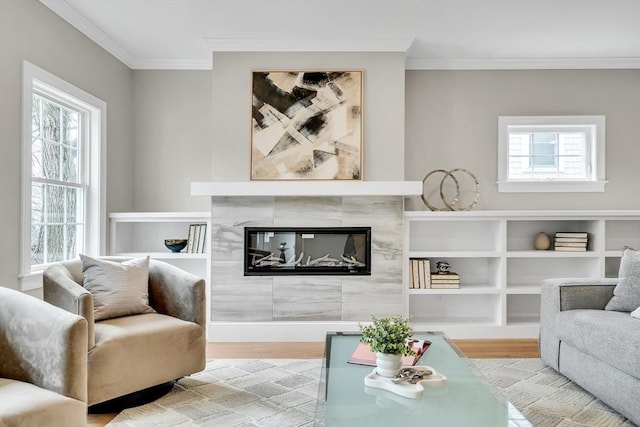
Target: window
(551,154)
(63,187)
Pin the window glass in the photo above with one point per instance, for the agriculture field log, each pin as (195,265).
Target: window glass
(57,193)
(544,153)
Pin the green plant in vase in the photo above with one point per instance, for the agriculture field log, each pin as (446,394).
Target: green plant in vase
(387,337)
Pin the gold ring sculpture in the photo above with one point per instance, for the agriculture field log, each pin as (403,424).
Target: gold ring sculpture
(451,205)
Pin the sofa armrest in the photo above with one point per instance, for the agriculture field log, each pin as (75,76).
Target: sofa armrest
(43,345)
(61,290)
(177,293)
(568,294)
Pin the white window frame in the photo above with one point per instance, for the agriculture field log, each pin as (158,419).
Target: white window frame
(94,112)
(596,181)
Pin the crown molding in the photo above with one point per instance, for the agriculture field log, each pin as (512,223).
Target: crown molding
(522,64)
(65,11)
(172,64)
(69,14)
(307,45)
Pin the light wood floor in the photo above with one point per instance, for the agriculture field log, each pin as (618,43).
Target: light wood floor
(476,349)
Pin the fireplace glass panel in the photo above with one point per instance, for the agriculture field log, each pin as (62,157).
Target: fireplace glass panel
(307,250)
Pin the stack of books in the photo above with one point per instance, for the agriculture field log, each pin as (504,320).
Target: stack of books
(448,280)
(571,241)
(420,273)
(197,238)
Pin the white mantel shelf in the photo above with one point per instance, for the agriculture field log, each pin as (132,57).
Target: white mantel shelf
(307,188)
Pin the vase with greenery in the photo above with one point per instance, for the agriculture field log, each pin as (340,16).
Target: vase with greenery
(387,337)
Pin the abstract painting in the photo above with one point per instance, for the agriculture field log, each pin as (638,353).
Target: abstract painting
(306,125)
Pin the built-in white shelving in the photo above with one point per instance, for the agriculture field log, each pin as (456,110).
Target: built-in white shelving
(136,234)
(500,271)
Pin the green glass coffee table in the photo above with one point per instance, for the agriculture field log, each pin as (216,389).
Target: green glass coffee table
(466,399)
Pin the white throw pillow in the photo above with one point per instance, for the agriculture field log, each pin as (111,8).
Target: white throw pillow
(636,313)
(118,288)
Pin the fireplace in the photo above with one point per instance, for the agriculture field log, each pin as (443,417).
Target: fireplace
(337,251)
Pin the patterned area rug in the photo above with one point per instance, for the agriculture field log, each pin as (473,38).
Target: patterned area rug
(282,392)
(546,398)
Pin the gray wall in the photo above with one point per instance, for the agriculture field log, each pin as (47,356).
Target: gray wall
(452,116)
(173,134)
(383,108)
(30,31)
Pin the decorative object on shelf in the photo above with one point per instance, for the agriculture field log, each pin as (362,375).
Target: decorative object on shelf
(175,245)
(444,278)
(387,337)
(443,267)
(306,125)
(451,205)
(542,241)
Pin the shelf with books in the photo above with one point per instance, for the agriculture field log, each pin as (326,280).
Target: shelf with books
(135,234)
(521,232)
(493,252)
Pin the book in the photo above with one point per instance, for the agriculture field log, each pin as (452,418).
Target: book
(571,239)
(191,238)
(427,272)
(415,273)
(570,249)
(571,244)
(419,275)
(572,234)
(445,276)
(364,356)
(201,238)
(196,238)
(445,286)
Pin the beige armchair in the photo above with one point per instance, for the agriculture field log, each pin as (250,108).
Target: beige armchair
(132,353)
(43,363)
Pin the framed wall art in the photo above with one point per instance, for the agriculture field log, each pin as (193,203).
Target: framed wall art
(306,125)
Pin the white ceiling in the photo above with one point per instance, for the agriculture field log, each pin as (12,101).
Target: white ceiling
(436,34)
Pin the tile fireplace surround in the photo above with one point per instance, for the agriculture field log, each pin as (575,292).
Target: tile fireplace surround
(241,299)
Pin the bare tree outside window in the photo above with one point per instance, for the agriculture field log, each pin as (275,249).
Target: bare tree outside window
(57,190)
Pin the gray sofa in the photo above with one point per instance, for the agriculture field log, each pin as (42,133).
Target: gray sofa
(43,363)
(597,349)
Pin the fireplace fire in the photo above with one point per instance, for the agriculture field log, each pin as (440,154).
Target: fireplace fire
(307,250)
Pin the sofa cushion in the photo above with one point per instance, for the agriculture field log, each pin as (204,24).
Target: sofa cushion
(626,294)
(118,288)
(636,313)
(610,336)
(26,405)
(136,352)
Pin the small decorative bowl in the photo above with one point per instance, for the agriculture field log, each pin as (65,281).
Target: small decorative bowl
(175,245)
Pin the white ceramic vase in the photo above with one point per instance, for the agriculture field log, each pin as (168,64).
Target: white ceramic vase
(388,365)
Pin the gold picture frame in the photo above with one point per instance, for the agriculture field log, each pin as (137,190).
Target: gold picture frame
(306,125)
